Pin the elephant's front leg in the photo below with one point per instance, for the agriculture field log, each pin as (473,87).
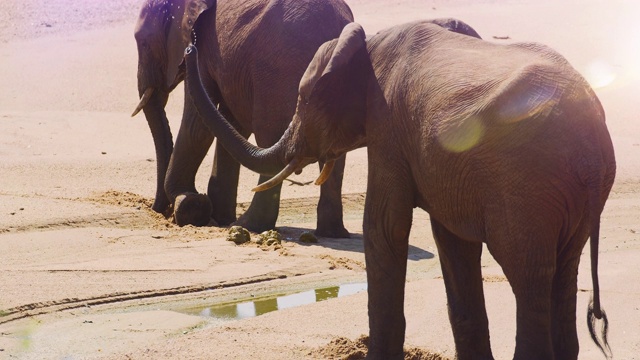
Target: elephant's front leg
(192,143)
(461,270)
(225,173)
(387,222)
(223,186)
(330,222)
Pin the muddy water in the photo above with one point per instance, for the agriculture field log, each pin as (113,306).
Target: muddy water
(257,307)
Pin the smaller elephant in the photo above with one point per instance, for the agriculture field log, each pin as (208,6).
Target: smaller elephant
(503,145)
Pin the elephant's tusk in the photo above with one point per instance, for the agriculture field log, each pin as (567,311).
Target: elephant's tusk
(325,173)
(143,101)
(288,170)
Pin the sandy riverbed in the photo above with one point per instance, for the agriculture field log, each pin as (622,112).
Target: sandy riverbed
(87,271)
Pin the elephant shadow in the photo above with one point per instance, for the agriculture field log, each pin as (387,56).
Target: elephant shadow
(353,244)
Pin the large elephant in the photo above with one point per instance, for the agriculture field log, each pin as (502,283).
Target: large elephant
(254,54)
(501,144)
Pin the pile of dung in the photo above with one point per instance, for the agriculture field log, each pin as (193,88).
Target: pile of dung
(238,235)
(308,237)
(269,237)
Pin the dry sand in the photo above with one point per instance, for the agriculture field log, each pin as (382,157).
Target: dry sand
(87,271)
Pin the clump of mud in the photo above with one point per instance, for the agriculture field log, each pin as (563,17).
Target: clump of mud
(342,348)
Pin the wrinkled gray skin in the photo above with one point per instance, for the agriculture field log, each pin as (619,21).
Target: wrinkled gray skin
(504,145)
(253,54)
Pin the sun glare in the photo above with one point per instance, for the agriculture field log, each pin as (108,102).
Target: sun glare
(600,74)
(619,64)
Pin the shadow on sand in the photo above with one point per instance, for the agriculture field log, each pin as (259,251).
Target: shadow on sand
(353,244)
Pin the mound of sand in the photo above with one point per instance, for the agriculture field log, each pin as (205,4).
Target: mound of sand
(341,348)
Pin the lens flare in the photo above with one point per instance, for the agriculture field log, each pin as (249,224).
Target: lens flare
(600,74)
(524,100)
(462,135)
(617,64)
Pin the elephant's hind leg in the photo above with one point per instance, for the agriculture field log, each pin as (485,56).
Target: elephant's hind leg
(460,262)
(565,288)
(263,211)
(528,257)
(330,223)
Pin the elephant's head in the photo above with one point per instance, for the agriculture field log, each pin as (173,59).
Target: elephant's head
(329,118)
(162,32)
(457,26)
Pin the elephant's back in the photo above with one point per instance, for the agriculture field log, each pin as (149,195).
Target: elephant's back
(270,29)
(489,119)
(464,92)
(262,48)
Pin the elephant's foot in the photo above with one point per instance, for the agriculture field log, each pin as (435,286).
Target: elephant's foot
(192,209)
(161,203)
(473,356)
(255,223)
(330,224)
(332,231)
(379,355)
(223,211)
(263,211)
(224,221)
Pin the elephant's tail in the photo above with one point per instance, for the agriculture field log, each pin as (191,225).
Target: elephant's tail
(595,311)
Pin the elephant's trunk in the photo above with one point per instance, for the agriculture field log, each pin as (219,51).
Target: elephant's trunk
(153,103)
(264,161)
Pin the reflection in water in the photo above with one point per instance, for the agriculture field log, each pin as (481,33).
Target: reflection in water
(258,307)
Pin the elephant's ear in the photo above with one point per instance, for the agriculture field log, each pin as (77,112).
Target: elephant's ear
(164,27)
(350,41)
(183,18)
(193,9)
(332,56)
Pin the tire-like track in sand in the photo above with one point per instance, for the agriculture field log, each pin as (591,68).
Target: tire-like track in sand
(291,211)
